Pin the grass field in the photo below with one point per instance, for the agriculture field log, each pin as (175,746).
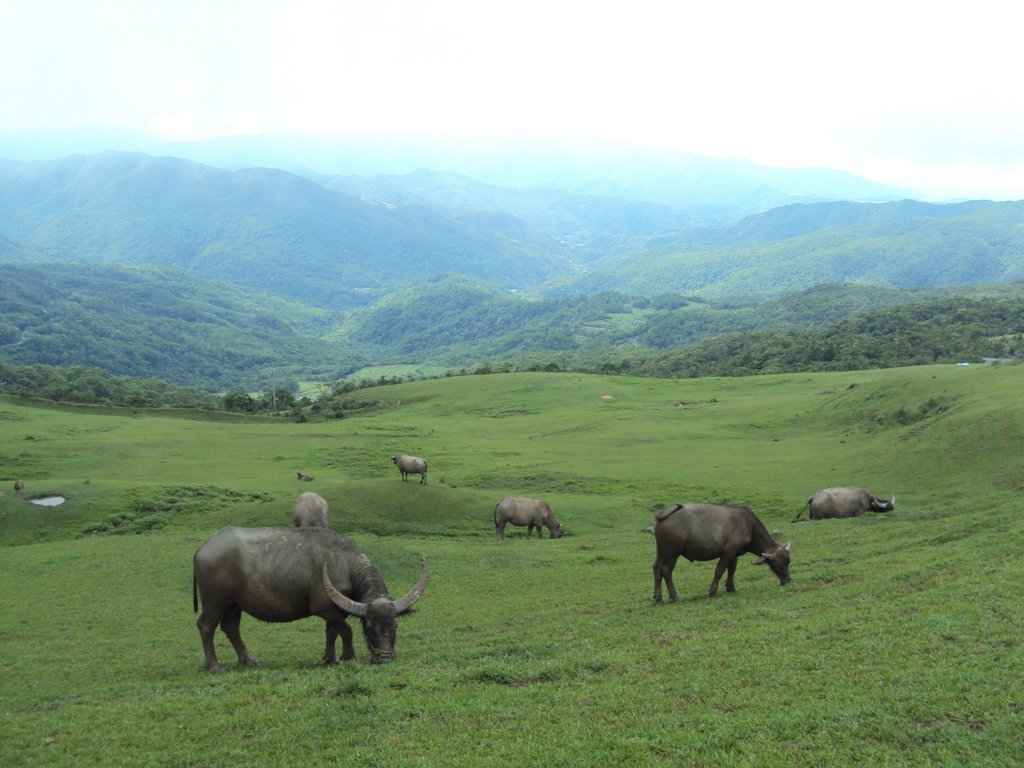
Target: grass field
(899,642)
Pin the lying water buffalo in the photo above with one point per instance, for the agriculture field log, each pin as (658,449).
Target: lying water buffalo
(310,511)
(305,478)
(844,502)
(411,465)
(284,574)
(533,513)
(707,531)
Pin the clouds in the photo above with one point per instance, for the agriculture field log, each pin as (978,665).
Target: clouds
(915,94)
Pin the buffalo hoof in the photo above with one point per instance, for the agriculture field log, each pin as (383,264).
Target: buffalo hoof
(216,668)
(250,662)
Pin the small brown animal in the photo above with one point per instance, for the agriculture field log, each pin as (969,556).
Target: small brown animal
(18,485)
(306,478)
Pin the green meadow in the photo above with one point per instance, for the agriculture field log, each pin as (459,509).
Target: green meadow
(899,642)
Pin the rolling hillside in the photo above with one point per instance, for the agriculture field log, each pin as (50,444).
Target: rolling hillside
(898,642)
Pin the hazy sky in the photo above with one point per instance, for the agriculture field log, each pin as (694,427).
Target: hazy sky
(916,94)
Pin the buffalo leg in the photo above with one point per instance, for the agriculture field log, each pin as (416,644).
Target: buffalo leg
(663,570)
(207,627)
(730,584)
(348,651)
(230,624)
(725,562)
(499,531)
(335,628)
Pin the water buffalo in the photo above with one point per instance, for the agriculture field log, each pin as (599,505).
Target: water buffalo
(18,485)
(707,531)
(305,478)
(284,574)
(844,502)
(533,513)
(411,465)
(310,511)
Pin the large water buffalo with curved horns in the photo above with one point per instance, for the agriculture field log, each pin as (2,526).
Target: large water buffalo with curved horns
(533,513)
(284,574)
(310,511)
(411,465)
(844,502)
(707,531)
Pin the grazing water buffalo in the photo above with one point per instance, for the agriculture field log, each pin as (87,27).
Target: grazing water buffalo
(707,531)
(533,513)
(844,502)
(284,574)
(411,465)
(310,511)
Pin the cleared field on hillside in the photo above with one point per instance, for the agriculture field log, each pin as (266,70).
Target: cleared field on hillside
(898,643)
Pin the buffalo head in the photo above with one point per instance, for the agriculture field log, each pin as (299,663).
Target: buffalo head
(878,505)
(778,561)
(378,616)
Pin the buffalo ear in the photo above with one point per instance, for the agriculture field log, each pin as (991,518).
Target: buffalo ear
(789,546)
(762,559)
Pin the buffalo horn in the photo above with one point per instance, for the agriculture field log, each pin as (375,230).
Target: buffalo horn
(405,602)
(344,602)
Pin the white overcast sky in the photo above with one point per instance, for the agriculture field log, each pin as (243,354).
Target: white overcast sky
(926,95)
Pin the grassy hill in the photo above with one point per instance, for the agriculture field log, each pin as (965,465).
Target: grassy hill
(898,643)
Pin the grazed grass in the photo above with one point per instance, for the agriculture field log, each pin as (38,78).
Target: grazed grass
(899,642)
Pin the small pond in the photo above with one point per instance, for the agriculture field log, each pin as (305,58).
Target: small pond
(48,501)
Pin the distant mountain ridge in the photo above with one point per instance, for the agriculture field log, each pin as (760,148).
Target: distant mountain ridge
(275,231)
(718,191)
(260,227)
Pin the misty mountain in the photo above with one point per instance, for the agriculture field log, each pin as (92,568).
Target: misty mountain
(586,221)
(258,227)
(704,189)
(899,244)
(276,231)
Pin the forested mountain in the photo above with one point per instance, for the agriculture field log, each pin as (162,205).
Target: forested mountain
(157,322)
(275,231)
(901,244)
(261,228)
(586,221)
(160,267)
